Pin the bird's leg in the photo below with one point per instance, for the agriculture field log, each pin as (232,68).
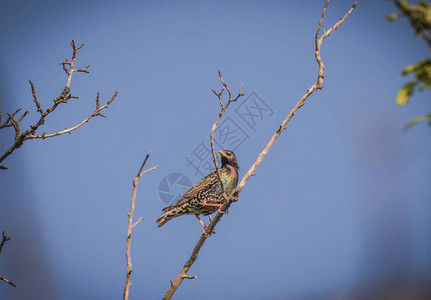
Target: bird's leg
(218,205)
(202,222)
(205,227)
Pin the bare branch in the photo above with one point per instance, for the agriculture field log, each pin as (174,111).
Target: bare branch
(234,195)
(65,95)
(131,225)
(183,273)
(4,240)
(94,114)
(7,281)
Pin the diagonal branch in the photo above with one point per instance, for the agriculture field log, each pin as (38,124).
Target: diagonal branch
(131,225)
(234,196)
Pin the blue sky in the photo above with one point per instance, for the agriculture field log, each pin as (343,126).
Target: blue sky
(341,203)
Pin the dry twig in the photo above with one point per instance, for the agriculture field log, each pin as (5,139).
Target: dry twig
(5,238)
(131,225)
(234,196)
(223,110)
(65,95)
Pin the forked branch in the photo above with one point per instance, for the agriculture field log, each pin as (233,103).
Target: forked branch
(65,95)
(131,225)
(319,38)
(5,238)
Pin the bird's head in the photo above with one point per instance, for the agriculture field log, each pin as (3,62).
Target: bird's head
(228,158)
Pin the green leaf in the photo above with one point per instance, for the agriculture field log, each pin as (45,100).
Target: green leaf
(409,69)
(392,17)
(416,120)
(425,85)
(405,93)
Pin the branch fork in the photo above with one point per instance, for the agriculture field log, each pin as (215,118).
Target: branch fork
(65,95)
(318,85)
(5,238)
(132,225)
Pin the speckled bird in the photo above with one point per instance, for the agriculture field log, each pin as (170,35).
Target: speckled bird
(206,196)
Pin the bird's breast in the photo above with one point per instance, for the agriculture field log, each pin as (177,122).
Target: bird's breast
(229,176)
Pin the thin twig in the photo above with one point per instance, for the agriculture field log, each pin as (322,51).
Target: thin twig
(7,281)
(5,238)
(8,123)
(131,225)
(234,195)
(223,110)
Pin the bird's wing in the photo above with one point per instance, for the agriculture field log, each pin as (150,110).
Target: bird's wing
(205,183)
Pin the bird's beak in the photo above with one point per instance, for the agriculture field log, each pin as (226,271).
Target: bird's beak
(223,153)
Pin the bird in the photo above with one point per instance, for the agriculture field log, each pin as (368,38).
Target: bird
(206,197)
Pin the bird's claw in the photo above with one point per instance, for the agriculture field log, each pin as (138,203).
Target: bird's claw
(223,212)
(206,233)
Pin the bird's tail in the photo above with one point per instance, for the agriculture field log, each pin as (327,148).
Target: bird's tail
(165,218)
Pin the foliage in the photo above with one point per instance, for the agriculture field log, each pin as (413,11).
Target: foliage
(420,18)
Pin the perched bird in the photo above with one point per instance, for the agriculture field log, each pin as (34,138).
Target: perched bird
(206,196)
